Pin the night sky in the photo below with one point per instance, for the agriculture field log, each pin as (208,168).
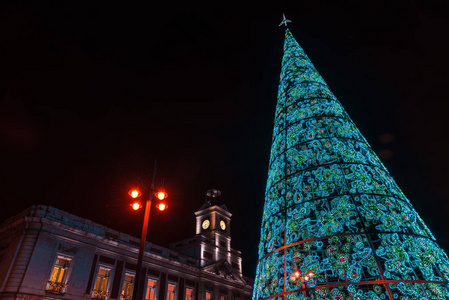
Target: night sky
(93,92)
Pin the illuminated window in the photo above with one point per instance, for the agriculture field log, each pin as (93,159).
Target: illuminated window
(151,289)
(100,290)
(58,277)
(60,269)
(223,297)
(189,294)
(102,279)
(128,283)
(171,291)
(208,295)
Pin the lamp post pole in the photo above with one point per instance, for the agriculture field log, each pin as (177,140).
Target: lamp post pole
(142,247)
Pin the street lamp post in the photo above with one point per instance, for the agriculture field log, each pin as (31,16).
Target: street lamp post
(142,245)
(161,206)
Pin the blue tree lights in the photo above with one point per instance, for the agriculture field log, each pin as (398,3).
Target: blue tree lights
(335,224)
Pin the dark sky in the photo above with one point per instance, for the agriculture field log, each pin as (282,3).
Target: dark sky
(92,92)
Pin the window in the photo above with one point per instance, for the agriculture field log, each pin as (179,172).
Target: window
(60,269)
(101,283)
(151,289)
(189,294)
(223,297)
(208,295)
(102,279)
(207,255)
(128,282)
(171,291)
(236,266)
(58,277)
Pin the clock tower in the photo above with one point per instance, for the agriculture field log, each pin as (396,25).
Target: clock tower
(212,242)
(213,223)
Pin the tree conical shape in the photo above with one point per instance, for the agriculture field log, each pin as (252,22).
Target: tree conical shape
(335,224)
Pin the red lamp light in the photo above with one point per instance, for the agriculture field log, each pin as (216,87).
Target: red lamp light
(161,206)
(161,195)
(136,205)
(134,193)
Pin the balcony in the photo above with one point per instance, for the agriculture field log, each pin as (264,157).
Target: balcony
(56,287)
(99,295)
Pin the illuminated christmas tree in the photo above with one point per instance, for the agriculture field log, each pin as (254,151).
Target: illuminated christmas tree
(335,224)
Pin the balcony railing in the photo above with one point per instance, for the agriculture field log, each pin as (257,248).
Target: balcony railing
(56,287)
(99,295)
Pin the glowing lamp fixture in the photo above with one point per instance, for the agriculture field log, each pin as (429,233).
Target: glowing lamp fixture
(136,205)
(161,195)
(161,206)
(134,193)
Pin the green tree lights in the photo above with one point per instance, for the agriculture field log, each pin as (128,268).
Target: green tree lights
(335,224)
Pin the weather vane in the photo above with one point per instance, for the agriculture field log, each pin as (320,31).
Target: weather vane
(284,21)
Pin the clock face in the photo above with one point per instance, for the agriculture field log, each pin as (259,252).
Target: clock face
(206,224)
(222,225)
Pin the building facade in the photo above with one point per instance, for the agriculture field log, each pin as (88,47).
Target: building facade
(335,224)
(46,253)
